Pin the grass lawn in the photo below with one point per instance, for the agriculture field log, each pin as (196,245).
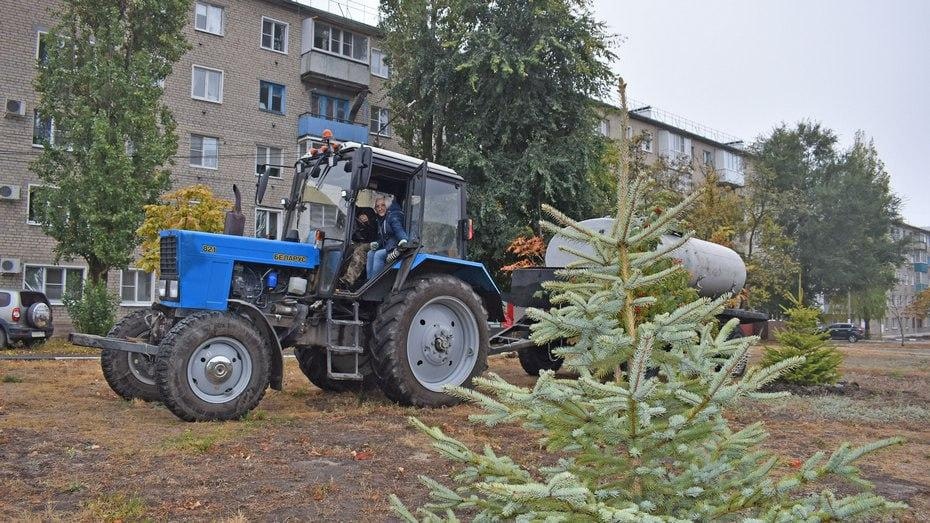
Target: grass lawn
(70,449)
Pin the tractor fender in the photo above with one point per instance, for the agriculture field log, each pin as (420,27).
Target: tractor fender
(273,345)
(472,273)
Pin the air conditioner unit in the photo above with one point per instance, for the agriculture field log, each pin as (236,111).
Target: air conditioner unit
(10,266)
(15,107)
(9,192)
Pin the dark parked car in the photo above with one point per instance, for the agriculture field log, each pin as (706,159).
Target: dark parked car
(25,316)
(845,331)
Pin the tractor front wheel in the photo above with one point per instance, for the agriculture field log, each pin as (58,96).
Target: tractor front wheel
(131,374)
(537,359)
(431,334)
(212,366)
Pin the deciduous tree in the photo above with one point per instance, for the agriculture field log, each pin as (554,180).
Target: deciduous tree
(100,89)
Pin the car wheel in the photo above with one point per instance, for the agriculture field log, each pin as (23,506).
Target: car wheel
(2,339)
(853,338)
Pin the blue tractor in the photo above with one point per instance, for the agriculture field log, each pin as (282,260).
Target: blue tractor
(229,305)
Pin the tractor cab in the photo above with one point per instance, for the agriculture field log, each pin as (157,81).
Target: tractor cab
(333,200)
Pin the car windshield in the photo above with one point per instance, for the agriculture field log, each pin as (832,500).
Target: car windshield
(323,205)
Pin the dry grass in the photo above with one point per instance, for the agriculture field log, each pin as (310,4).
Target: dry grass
(71,450)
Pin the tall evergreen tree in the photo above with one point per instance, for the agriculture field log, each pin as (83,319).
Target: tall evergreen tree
(637,448)
(504,93)
(100,88)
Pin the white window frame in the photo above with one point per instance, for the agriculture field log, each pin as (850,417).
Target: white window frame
(64,278)
(29,201)
(371,59)
(39,34)
(647,144)
(305,144)
(206,89)
(136,274)
(202,156)
(603,127)
(51,131)
(287,34)
(222,18)
(629,132)
(279,220)
(267,159)
(705,154)
(374,130)
(366,60)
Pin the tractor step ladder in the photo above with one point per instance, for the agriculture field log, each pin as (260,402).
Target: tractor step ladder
(332,349)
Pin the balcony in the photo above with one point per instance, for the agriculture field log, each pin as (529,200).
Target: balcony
(920,266)
(312,125)
(731,177)
(919,245)
(339,70)
(919,287)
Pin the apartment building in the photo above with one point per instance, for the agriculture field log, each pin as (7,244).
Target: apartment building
(688,149)
(913,276)
(262,80)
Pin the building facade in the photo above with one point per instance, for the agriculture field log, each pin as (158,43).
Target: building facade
(689,150)
(913,276)
(262,80)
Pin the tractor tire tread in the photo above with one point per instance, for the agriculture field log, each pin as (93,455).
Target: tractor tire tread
(115,363)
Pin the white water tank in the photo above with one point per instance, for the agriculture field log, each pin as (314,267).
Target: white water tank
(714,269)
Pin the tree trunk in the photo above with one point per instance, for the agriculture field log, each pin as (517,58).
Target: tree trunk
(98,271)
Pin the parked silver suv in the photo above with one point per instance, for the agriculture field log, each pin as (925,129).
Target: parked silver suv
(25,316)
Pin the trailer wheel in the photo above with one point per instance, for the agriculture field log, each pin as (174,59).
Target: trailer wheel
(430,334)
(536,359)
(131,374)
(212,366)
(312,362)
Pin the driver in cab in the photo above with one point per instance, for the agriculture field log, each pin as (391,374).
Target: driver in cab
(391,234)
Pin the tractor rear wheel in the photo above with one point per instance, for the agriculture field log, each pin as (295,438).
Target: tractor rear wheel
(212,366)
(131,374)
(430,334)
(536,359)
(312,362)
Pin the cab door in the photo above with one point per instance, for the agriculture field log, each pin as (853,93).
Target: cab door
(416,198)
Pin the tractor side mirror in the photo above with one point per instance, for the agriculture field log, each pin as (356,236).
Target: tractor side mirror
(361,168)
(262,184)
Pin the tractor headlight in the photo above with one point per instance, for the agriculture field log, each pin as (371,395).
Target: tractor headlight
(168,289)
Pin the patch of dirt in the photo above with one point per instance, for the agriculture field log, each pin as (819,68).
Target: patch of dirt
(841,388)
(69,445)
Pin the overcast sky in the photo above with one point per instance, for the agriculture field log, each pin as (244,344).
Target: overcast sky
(743,67)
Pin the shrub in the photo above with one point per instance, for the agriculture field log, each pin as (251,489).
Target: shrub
(94,310)
(802,337)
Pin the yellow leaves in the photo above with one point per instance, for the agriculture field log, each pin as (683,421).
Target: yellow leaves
(192,208)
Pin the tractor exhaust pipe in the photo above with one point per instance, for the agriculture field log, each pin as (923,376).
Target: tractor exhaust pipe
(235,220)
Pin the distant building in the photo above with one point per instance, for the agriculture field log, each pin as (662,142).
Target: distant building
(912,277)
(688,148)
(261,82)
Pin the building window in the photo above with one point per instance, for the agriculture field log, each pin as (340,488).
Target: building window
(268,224)
(271,97)
(43,130)
(208,18)
(274,35)
(41,47)
(646,143)
(603,127)
(205,151)
(332,39)
(708,158)
(732,162)
(207,84)
(378,66)
(37,204)
(55,282)
(271,158)
(677,143)
(135,287)
(330,107)
(629,132)
(380,121)
(304,146)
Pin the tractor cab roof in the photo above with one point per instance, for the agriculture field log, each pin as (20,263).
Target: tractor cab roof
(402,162)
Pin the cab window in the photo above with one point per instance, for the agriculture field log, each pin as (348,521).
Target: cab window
(441,218)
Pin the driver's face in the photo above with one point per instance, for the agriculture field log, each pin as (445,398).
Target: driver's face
(380,208)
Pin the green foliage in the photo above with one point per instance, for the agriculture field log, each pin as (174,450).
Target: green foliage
(504,93)
(636,448)
(802,338)
(836,205)
(92,311)
(193,208)
(101,86)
